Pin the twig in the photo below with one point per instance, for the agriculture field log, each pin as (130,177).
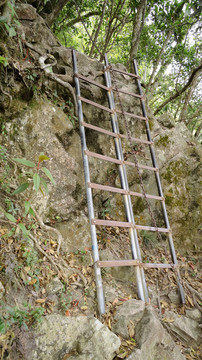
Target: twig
(192,290)
(7,94)
(45,254)
(49,228)
(76,271)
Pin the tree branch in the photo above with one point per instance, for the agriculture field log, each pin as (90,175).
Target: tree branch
(180,92)
(78,18)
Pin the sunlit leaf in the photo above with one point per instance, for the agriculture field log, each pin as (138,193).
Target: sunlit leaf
(43,158)
(25,162)
(41,191)
(48,174)
(10,217)
(36,180)
(20,188)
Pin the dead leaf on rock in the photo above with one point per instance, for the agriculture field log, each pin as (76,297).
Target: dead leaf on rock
(131,329)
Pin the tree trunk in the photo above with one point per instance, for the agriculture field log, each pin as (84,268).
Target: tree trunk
(178,93)
(138,23)
(98,28)
(198,131)
(50,18)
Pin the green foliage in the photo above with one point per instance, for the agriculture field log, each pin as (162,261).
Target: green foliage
(180,56)
(10,28)
(33,177)
(148,239)
(3,61)
(10,316)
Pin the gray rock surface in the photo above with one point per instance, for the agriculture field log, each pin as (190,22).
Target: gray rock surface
(187,329)
(194,314)
(153,340)
(83,338)
(131,310)
(54,286)
(43,126)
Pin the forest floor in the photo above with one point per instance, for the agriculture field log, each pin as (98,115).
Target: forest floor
(38,281)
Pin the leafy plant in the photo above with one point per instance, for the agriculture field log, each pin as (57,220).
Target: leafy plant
(34,178)
(148,239)
(3,61)
(22,317)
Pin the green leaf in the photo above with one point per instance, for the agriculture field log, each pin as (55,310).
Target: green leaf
(36,179)
(25,162)
(43,182)
(3,60)
(27,207)
(48,174)
(23,229)
(10,217)
(31,212)
(20,188)
(41,191)
(12,31)
(43,157)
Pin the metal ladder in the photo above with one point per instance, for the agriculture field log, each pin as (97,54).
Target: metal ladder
(136,260)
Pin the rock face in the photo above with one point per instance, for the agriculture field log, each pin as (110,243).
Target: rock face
(153,340)
(41,126)
(186,328)
(81,338)
(130,313)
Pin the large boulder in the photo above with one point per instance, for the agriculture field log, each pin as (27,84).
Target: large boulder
(153,341)
(75,338)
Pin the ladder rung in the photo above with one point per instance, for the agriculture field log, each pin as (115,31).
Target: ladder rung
(95,104)
(126,73)
(117,263)
(116,161)
(131,115)
(127,225)
(96,128)
(122,191)
(110,110)
(128,93)
(91,81)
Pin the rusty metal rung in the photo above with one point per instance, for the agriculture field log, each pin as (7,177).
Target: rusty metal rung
(126,73)
(122,191)
(117,263)
(110,110)
(119,162)
(107,132)
(91,81)
(125,224)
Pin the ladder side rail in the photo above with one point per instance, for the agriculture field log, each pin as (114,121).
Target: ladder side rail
(158,181)
(136,254)
(100,295)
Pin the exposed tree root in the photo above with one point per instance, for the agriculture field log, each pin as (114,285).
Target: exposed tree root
(49,228)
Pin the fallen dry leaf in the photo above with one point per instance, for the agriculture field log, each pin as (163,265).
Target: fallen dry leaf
(40,301)
(67,313)
(131,329)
